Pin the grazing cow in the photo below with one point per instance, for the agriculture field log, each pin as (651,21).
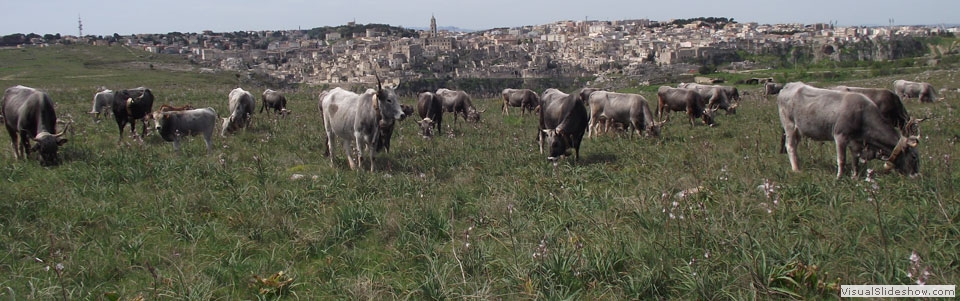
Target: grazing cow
(563,121)
(849,119)
(29,115)
(101,104)
(771,88)
(891,108)
(682,100)
(276,101)
(429,106)
(241,111)
(458,102)
(131,105)
(526,99)
(907,89)
(629,109)
(717,97)
(171,125)
(357,119)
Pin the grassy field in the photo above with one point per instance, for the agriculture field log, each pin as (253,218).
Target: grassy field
(476,213)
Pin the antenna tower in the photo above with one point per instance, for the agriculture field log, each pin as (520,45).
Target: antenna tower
(80,25)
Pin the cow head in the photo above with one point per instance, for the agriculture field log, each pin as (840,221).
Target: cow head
(732,109)
(426,127)
(557,144)
(284,112)
(904,157)
(912,128)
(707,116)
(388,102)
(473,114)
(654,129)
(48,145)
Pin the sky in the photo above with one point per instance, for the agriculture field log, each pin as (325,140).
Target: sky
(106,17)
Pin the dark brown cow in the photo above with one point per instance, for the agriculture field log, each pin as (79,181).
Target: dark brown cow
(682,100)
(276,101)
(28,115)
(430,107)
(563,121)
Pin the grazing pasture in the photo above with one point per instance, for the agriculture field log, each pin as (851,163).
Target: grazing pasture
(475,212)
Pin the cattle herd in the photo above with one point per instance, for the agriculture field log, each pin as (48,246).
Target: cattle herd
(872,122)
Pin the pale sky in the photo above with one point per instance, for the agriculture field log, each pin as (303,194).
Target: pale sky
(106,17)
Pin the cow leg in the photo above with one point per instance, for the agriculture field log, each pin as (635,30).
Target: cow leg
(15,141)
(791,144)
(841,155)
(346,149)
(207,138)
(176,144)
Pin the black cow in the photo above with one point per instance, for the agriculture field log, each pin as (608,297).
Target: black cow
(131,105)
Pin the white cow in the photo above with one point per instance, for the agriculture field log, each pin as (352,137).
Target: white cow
(357,118)
(242,104)
(101,103)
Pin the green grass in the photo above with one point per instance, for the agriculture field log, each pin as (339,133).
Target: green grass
(138,220)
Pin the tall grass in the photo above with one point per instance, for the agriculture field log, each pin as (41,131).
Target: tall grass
(478,213)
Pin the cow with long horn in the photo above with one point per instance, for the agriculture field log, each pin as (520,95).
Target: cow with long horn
(29,116)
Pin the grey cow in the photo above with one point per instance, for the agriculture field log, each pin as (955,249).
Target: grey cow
(848,119)
(682,100)
(526,99)
(28,115)
(356,119)
(171,125)
(630,109)
(908,89)
(458,102)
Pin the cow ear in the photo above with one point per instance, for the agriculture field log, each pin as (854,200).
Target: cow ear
(62,141)
(913,141)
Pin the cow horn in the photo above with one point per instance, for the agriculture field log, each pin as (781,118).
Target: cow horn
(379,85)
(64,130)
(913,141)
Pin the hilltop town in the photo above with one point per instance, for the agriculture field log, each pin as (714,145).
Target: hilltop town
(353,53)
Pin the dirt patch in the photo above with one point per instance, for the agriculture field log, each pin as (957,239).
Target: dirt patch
(158,66)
